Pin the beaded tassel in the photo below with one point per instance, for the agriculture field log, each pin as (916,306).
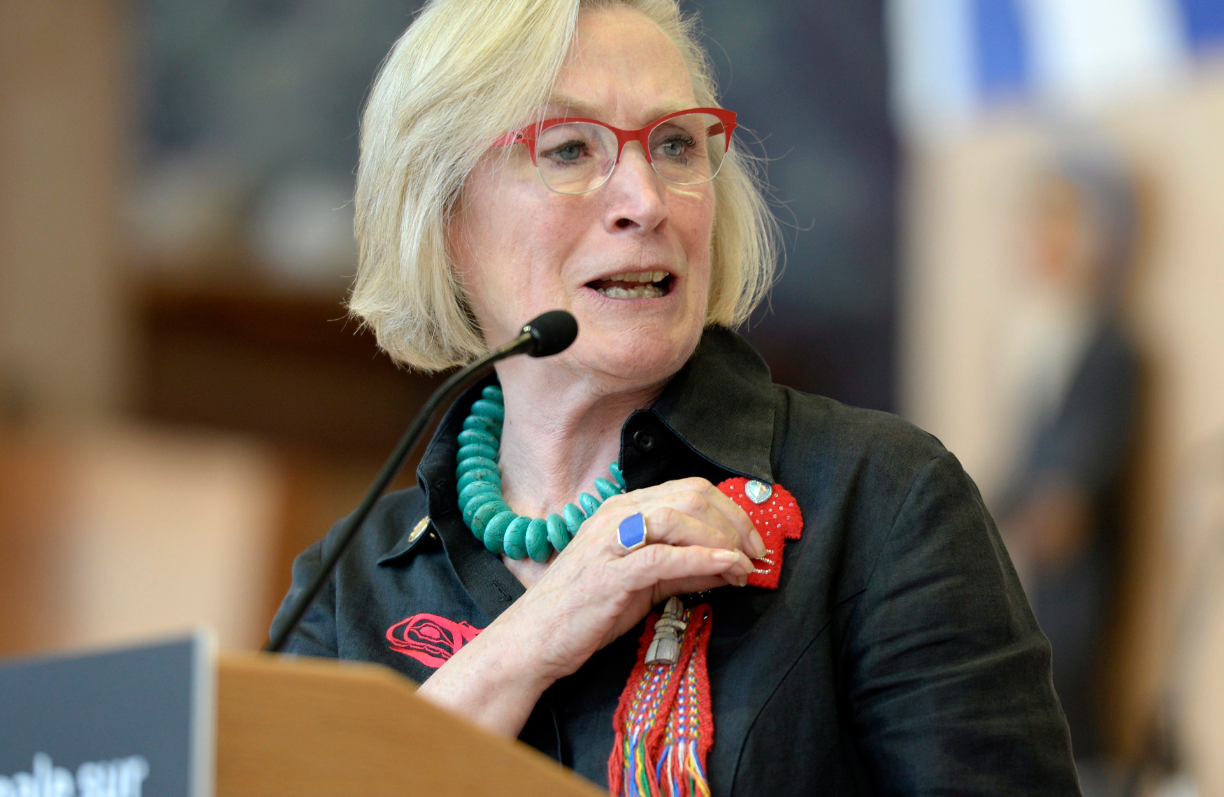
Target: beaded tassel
(664,724)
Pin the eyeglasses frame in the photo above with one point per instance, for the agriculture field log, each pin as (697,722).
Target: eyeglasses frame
(529,136)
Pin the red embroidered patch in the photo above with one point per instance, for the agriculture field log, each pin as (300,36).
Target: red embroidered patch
(430,639)
(777,519)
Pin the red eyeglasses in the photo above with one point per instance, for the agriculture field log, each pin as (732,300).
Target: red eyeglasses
(574,156)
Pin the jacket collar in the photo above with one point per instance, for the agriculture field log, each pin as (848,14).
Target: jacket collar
(721,405)
(436,471)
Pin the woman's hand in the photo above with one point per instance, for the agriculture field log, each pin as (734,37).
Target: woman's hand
(595,591)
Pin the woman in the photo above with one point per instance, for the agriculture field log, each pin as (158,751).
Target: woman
(895,652)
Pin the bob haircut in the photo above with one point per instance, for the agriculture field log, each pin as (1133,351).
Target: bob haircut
(463,74)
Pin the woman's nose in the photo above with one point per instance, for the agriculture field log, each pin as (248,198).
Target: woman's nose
(636,193)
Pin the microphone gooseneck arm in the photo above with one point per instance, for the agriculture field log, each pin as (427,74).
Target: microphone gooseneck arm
(544,336)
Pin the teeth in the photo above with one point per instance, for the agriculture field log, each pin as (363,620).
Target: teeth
(638,276)
(639,292)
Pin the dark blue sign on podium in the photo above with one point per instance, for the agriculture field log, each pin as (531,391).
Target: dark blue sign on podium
(137,722)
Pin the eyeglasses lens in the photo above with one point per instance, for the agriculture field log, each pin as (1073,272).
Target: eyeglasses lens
(577,157)
(688,149)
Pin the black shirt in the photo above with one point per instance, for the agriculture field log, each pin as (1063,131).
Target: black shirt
(897,656)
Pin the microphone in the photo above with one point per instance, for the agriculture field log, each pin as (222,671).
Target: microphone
(552,333)
(545,335)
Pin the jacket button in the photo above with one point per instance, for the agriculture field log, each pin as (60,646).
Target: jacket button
(643,440)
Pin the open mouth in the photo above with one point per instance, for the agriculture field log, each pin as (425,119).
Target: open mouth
(634,285)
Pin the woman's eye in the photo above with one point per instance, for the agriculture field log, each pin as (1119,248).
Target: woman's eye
(674,147)
(566,153)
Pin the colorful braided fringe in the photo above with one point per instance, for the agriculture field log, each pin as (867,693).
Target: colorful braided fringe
(664,723)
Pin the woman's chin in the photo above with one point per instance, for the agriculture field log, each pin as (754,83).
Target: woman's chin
(640,356)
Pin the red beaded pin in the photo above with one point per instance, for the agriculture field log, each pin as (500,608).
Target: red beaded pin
(777,518)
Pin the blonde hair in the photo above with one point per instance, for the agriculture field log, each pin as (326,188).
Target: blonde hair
(465,72)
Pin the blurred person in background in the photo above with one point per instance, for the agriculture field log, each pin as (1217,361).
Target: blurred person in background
(1073,375)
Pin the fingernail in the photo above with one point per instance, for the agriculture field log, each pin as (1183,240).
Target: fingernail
(758,545)
(727,556)
(743,581)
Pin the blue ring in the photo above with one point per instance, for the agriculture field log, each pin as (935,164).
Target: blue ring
(631,532)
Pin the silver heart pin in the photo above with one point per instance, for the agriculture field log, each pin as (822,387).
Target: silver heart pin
(757,492)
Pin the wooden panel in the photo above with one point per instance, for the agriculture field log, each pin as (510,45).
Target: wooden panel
(62,156)
(32,602)
(309,727)
(287,368)
(120,533)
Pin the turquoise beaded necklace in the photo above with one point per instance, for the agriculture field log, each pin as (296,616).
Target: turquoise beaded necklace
(486,512)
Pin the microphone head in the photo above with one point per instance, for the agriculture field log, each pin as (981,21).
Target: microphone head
(551,333)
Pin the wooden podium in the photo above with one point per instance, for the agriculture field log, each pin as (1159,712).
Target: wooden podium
(312,727)
(175,718)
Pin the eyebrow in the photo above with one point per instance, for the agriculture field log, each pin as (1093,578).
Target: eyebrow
(581,109)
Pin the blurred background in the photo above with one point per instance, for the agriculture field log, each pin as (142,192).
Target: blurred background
(1004,220)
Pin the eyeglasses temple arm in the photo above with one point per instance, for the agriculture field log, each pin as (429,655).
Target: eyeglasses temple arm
(507,139)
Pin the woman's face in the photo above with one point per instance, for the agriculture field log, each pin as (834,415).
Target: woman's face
(522,249)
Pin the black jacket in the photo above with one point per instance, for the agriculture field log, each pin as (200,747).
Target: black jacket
(898,656)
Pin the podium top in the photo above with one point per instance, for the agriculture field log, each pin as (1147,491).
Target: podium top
(320,727)
(174,718)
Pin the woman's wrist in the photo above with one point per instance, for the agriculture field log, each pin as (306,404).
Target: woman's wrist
(492,681)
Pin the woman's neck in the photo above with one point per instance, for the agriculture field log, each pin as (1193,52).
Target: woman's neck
(561,432)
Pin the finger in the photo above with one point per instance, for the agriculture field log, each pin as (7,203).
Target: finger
(708,508)
(668,525)
(699,497)
(686,586)
(648,566)
(738,518)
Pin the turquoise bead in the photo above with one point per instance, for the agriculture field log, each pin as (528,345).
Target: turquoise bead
(573,517)
(476,450)
(515,542)
(467,515)
(469,436)
(484,514)
(488,409)
(477,488)
(475,503)
(495,531)
(606,489)
(482,475)
(558,535)
(493,393)
(474,463)
(538,547)
(479,423)
(589,503)
(615,470)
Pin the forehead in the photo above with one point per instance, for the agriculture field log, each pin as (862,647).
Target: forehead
(622,69)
